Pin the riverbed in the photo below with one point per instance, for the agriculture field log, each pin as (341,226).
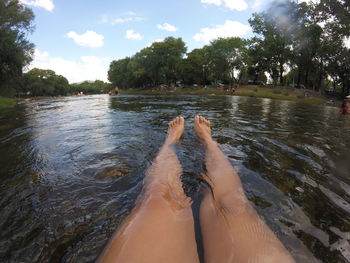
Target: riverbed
(72,168)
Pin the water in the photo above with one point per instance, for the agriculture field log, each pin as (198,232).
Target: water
(71,169)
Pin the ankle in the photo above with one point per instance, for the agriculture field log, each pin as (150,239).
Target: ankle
(169,142)
(209,142)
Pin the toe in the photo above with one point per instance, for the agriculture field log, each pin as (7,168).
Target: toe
(182,120)
(196,119)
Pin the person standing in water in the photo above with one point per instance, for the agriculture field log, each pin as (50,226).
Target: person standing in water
(161,228)
(345,107)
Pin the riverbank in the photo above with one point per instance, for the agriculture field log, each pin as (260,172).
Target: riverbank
(7,102)
(251,91)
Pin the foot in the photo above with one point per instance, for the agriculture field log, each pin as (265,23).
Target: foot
(175,130)
(202,129)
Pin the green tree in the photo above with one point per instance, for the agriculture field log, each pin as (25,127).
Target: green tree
(270,49)
(91,87)
(334,57)
(225,57)
(195,68)
(41,82)
(150,66)
(16,21)
(119,73)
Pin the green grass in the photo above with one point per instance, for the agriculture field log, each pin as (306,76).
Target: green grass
(278,93)
(250,91)
(7,102)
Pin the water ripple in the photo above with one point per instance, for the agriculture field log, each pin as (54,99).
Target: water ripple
(72,168)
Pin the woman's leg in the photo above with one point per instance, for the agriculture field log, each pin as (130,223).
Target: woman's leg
(232,230)
(160,228)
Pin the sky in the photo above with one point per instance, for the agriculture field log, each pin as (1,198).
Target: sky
(79,38)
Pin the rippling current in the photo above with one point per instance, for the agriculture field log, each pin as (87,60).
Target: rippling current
(71,169)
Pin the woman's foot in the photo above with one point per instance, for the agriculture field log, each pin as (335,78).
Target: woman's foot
(202,129)
(175,130)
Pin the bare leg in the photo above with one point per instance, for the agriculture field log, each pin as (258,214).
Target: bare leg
(160,228)
(232,230)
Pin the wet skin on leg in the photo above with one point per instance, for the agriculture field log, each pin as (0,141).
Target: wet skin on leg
(160,228)
(232,230)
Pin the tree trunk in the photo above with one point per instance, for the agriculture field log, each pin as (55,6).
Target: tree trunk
(320,76)
(281,74)
(307,78)
(299,76)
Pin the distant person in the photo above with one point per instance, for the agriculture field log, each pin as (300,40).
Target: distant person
(161,228)
(116,89)
(345,107)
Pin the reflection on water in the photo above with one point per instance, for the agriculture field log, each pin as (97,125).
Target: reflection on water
(71,169)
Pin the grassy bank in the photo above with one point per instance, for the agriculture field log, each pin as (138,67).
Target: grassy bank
(251,91)
(7,102)
(280,94)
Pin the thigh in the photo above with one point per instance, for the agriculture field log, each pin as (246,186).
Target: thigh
(233,232)
(157,230)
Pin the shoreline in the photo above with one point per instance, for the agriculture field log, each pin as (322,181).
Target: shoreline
(247,91)
(279,93)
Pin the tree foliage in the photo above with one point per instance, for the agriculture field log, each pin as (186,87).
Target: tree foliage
(90,87)
(300,43)
(16,21)
(149,67)
(305,40)
(164,63)
(41,82)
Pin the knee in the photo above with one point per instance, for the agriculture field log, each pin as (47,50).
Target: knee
(229,203)
(164,193)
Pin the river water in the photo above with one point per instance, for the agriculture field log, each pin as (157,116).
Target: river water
(71,169)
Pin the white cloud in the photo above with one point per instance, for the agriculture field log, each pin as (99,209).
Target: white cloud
(347,42)
(131,34)
(87,68)
(154,41)
(40,56)
(88,39)
(125,17)
(130,13)
(258,5)
(229,29)
(214,2)
(46,4)
(125,20)
(309,1)
(238,5)
(167,27)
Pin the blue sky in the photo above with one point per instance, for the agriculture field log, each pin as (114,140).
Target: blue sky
(79,38)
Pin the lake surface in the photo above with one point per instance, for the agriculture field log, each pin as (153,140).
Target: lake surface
(71,169)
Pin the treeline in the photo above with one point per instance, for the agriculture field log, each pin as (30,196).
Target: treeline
(41,82)
(293,42)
